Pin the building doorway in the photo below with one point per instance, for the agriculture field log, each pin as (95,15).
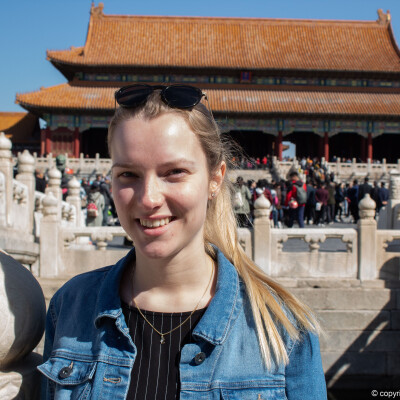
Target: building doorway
(386,146)
(94,140)
(306,143)
(347,145)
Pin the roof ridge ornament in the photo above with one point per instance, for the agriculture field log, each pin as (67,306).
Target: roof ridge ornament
(97,11)
(383,18)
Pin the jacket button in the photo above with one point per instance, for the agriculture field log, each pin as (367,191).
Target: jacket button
(199,358)
(65,372)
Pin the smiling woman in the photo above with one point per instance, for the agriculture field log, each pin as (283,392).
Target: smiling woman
(186,314)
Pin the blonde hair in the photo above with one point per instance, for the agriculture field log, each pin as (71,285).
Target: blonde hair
(270,302)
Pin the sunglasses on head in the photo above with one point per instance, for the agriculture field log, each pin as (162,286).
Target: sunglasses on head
(175,96)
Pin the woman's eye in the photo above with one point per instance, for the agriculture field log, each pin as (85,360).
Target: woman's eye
(126,174)
(176,171)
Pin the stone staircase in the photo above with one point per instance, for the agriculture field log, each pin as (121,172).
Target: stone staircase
(361,347)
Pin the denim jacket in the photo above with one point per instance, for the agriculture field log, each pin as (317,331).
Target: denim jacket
(89,353)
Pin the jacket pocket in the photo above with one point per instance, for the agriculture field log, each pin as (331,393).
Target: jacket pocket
(273,393)
(68,378)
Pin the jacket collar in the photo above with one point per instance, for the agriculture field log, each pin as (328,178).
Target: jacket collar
(216,322)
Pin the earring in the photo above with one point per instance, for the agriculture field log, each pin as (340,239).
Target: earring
(213,194)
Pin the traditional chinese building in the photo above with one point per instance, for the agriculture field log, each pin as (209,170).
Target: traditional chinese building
(330,87)
(22,129)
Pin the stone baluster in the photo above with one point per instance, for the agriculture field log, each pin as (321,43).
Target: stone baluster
(338,170)
(26,167)
(74,199)
(23,313)
(367,269)
(262,234)
(49,236)
(6,168)
(97,162)
(81,162)
(354,166)
(393,207)
(50,162)
(54,185)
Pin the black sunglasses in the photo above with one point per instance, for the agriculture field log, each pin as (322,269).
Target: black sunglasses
(175,96)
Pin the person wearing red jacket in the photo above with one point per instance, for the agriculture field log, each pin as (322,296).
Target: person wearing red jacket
(294,201)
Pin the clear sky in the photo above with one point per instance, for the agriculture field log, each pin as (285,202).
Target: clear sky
(28,28)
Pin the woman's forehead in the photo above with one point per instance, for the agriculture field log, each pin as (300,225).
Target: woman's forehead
(166,137)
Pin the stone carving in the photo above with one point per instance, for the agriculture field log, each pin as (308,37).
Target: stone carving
(20,192)
(26,163)
(5,146)
(367,208)
(23,311)
(3,219)
(394,187)
(101,238)
(313,240)
(50,206)
(262,208)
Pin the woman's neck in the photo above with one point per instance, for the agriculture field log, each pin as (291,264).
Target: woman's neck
(172,285)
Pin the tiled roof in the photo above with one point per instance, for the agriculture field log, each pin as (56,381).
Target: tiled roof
(20,127)
(335,103)
(9,119)
(238,43)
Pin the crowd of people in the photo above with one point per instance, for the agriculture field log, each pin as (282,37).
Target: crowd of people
(318,200)
(313,199)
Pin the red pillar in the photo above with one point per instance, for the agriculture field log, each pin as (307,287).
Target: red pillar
(369,146)
(48,141)
(320,147)
(279,146)
(326,146)
(42,142)
(76,143)
(363,149)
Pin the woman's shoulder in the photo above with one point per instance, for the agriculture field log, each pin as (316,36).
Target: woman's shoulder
(83,283)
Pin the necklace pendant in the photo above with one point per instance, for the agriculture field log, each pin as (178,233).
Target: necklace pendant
(162,340)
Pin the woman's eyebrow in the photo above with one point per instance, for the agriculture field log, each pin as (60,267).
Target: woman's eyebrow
(172,163)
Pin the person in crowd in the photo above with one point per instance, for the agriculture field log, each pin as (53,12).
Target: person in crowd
(105,190)
(186,313)
(85,185)
(97,199)
(309,211)
(241,203)
(330,208)
(364,189)
(352,194)
(383,197)
(321,197)
(40,181)
(339,200)
(297,192)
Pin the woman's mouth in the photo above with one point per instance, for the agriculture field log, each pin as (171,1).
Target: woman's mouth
(155,223)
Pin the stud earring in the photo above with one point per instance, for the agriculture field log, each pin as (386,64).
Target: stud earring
(213,194)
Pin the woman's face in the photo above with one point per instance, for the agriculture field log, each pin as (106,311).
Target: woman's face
(161,184)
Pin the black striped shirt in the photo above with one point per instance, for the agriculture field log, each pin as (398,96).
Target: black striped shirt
(155,373)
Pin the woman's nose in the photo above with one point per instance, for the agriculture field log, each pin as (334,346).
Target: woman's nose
(151,193)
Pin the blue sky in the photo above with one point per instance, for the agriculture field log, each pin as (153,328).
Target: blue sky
(28,28)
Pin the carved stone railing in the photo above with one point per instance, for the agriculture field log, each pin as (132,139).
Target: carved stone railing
(101,237)
(345,171)
(314,262)
(388,254)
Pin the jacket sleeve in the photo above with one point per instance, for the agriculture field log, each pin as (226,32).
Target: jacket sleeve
(305,378)
(47,391)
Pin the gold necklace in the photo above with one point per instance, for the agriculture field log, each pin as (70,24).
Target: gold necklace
(162,335)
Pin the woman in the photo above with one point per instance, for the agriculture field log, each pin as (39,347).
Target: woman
(186,314)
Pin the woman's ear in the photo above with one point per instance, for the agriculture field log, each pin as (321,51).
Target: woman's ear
(217,179)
